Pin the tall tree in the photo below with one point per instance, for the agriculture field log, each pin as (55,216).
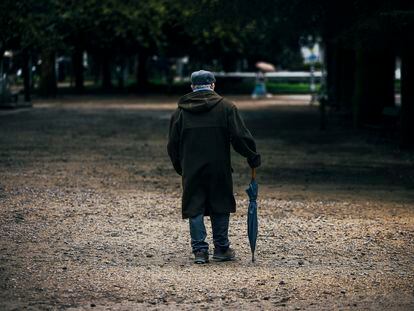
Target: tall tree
(14,36)
(42,31)
(401,19)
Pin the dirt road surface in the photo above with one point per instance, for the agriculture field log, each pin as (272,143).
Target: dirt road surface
(90,213)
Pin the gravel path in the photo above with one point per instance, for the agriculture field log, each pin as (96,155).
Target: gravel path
(90,213)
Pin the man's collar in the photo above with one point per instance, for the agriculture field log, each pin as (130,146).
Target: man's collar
(203,89)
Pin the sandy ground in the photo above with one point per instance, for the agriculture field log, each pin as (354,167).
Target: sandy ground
(90,213)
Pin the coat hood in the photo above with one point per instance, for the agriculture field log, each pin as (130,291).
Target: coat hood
(200,101)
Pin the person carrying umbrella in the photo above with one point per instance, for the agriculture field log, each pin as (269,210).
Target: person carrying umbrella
(202,128)
(260,90)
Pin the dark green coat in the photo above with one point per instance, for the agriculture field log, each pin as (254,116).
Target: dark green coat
(201,131)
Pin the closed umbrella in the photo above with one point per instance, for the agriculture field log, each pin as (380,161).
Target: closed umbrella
(252,224)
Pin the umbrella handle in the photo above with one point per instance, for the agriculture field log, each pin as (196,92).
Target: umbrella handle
(253,173)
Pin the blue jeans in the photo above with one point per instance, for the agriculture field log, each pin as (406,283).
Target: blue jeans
(220,226)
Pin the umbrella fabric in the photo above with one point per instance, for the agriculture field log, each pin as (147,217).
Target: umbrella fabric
(265,66)
(252,224)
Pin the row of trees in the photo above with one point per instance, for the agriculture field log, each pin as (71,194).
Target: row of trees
(112,31)
(361,38)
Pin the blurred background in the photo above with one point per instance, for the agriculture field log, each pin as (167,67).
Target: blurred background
(354,55)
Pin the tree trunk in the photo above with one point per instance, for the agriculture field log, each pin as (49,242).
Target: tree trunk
(47,82)
(407,99)
(77,65)
(337,78)
(106,72)
(26,70)
(346,72)
(95,67)
(374,85)
(142,71)
(331,72)
(340,67)
(120,71)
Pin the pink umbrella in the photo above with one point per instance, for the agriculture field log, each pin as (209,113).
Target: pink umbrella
(265,66)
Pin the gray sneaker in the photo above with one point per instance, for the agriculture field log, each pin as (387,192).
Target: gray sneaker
(200,257)
(227,255)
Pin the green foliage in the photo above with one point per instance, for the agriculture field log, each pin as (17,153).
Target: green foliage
(10,25)
(207,30)
(112,24)
(253,30)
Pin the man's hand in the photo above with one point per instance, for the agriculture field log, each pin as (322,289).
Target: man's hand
(254,161)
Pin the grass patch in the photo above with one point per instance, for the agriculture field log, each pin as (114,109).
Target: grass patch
(223,86)
(289,88)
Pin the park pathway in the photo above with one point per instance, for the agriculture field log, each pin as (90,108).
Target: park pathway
(90,213)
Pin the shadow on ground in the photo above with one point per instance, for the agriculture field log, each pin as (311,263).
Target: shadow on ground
(90,212)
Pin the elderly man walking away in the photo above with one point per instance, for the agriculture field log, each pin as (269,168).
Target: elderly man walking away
(201,131)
